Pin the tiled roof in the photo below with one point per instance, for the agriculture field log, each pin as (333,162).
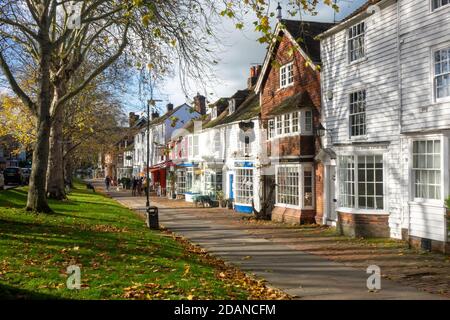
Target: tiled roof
(293,103)
(305,33)
(247,110)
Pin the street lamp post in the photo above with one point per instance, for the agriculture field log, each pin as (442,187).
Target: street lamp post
(149,102)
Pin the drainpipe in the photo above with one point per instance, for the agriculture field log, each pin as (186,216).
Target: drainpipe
(404,215)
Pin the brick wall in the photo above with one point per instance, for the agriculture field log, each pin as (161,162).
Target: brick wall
(293,216)
(363,225)
(305,79)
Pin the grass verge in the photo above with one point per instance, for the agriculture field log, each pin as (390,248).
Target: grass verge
(118,256)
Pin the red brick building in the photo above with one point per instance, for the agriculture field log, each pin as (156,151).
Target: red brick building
(290,97)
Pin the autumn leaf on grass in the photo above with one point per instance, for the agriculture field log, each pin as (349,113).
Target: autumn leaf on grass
(187,269)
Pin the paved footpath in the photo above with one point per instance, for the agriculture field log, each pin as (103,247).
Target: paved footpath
(300,274)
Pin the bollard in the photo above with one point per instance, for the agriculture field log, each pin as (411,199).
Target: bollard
(152,218)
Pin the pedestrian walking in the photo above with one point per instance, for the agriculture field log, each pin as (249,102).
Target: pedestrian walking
(107,182)
(139,187)
(134,187)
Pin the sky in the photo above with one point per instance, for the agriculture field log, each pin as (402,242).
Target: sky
(239,52)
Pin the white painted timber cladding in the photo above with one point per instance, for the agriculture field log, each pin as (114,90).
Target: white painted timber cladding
(422,31)
(377,74)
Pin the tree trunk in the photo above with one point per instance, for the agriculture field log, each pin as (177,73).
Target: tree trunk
(68,170)
(37,200)
(55,172)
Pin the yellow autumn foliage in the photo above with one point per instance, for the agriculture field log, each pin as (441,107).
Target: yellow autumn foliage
(17,121)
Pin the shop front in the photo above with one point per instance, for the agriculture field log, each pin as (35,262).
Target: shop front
(244,186)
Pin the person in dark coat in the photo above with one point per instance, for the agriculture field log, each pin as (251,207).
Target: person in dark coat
(107,182)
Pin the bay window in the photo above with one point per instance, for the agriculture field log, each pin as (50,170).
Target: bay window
(294,186)
(244,186)
(361,182)
(426,169)
(298,122)
(213,181)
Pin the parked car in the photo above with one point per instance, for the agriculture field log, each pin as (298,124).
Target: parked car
(26,172)
(13,175)
(2,181)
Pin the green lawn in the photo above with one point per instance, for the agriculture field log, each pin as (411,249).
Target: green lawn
(118,256)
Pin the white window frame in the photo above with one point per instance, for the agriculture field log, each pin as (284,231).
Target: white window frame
(287,75)
(445,170)
(356,37)
(303,127)
(248,172)
(440,4)
(214,113)
(181,182)
(356,209)
(434,75)
(271,129)
(350,114)
(301,170)
(231,106)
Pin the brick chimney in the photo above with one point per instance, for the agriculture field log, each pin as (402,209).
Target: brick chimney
(155,115)
(200,104)
(132,119)
(169,107)
(255,71)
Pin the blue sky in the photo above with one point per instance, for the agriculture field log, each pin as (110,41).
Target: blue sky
(239,51)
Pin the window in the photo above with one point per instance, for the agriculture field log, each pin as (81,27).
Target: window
(439,3)
(279,125)
(181,182)
(217,141)
(195,149)
(287,123)
(295,127)
(245,145)
(307,188)
(287,75)
(189,180)
(213,182)
(427,169)
(358,113)
(442,73)
(356,42)
(294,185)
(361,182)
(214,113)
(231,106)
(308,121)
(244,186)
(370,182)
(288,183)
(347,181)
(271,130)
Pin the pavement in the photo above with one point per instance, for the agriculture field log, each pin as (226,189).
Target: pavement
(300,274)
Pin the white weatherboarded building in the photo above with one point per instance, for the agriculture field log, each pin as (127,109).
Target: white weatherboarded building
(386,108)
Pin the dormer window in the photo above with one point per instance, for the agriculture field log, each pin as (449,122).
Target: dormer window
(356,47)
(287,75)
(214,113)
(231,106)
